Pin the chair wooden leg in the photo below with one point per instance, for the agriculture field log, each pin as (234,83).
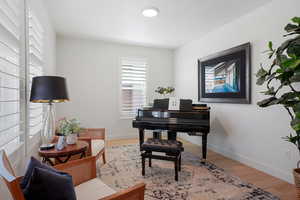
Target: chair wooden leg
(103,157)
(143,165)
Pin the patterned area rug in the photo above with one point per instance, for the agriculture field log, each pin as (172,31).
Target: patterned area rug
(196,181)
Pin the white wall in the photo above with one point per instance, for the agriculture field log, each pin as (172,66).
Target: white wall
(92,72)
(18,159)
(244,132)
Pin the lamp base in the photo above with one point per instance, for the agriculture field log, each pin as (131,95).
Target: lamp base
(46,146)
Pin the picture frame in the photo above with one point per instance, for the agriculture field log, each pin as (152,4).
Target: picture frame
(225,77)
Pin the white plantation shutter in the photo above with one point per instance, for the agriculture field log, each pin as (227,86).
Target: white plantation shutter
(36,63)
(12,80)
(133,86)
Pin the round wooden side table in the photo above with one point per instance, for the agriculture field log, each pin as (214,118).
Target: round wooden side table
(64,155)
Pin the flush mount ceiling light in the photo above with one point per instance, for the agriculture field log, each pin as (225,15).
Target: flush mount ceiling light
(150,12)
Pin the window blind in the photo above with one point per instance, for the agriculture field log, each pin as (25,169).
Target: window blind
(133,86)
(36,63)
(11,76)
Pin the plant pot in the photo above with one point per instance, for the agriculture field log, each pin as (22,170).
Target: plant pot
(72,138)
(296,173)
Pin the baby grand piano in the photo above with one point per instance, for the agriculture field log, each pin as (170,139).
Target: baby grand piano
(193,120)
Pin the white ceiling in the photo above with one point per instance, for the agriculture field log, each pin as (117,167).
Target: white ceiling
(178,22)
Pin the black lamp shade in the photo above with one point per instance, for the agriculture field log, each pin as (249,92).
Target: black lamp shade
(48,89)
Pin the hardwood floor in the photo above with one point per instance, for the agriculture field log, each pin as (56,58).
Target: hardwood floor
(269,183)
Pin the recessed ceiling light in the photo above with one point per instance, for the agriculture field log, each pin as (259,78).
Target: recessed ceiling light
(150,12)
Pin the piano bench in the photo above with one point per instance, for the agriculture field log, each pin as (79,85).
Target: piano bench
(171,148)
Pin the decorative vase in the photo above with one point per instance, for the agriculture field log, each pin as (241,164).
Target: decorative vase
(296,173)
(72,138)
(61,143)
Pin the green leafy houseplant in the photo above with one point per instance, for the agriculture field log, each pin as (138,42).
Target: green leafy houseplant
(67,127)
(282,76)
(165,91)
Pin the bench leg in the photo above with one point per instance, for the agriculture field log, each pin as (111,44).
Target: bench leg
(150,160)
(179,162)
(176,169)
(143,165)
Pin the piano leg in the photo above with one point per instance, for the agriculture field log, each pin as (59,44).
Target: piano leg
(141,136)
(172,135)
(204,147)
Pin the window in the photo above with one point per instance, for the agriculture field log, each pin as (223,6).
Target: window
(12,79)
(36,62)
(21,58)
(133,86)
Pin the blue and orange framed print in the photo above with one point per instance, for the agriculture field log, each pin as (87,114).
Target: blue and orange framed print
(225,77)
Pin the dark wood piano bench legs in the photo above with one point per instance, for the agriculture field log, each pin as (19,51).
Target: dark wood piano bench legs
(176,158)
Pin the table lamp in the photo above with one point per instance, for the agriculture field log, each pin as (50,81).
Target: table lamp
(48,89)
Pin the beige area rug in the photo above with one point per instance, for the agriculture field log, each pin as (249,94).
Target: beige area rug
(196,181)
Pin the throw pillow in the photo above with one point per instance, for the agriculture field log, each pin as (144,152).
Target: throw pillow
(49,185)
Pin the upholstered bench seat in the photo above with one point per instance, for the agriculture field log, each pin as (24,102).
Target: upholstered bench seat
(171,148)
(97,146)
(93,189)
(166,146)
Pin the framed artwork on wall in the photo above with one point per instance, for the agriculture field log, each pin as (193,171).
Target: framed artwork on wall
(225,77)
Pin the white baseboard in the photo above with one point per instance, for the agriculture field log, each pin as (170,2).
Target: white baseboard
(271,170)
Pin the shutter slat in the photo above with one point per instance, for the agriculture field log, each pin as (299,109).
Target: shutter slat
(35,22)
(14,6)
(8,23)
(36,52)
(133,76)
(34,41)
(35,58)
(34,33)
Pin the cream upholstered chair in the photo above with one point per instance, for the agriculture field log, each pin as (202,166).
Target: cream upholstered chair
(87,185)
(96,139)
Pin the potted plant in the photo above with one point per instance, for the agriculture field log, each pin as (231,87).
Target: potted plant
(69,129)
(281,78)
(165,91)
